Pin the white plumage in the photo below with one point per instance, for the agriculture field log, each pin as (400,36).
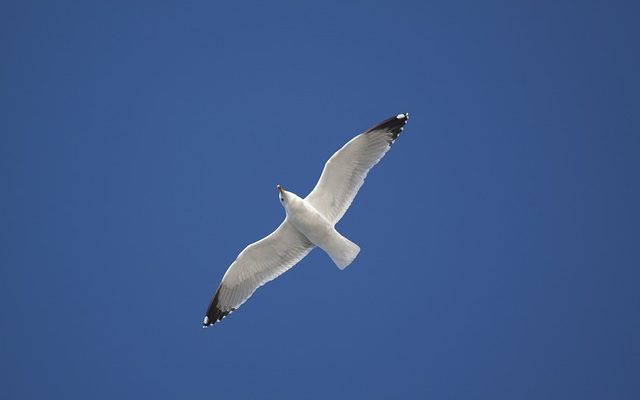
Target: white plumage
(309,222)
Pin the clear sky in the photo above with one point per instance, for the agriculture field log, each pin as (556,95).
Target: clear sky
(141,142)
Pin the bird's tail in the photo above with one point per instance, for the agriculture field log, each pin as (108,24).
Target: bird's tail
(341,250)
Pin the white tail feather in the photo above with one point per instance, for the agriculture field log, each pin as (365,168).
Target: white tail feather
(341,250)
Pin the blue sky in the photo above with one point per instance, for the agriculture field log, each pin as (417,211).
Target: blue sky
(141,143)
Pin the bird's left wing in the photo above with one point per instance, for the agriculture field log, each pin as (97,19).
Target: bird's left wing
(344,173)
(257,264)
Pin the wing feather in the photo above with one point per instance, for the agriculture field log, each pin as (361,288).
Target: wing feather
(257,264)
(345,172)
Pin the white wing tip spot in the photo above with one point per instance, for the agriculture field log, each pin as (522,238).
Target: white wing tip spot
(206,321)
(403,116)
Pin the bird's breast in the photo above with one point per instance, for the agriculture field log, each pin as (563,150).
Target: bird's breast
(310,223)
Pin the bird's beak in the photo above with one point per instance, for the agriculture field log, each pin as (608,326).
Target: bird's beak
(279,189)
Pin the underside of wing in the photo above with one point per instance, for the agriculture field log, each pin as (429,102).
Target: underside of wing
(256,265)
(344,173)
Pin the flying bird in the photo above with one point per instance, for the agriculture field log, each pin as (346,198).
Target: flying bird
(309,222)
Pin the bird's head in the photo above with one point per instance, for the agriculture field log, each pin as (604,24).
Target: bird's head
(281,193)
(284,196)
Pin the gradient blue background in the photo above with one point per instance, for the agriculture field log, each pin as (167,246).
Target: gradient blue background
(140,146)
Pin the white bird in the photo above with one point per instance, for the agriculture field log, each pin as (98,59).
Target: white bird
(309,222)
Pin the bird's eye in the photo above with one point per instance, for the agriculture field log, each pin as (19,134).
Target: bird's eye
(281,199)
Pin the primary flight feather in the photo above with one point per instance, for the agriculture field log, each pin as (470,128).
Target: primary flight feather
(309,222)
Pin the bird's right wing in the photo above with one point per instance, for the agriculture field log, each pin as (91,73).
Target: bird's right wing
(256,265)
(344,173)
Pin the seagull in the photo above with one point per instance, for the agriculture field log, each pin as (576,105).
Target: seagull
(309,222)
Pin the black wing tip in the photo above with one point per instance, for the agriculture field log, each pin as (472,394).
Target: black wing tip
(393,125)
(214,314)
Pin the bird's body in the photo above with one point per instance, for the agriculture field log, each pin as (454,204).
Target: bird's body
(318,230)
(309,222)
